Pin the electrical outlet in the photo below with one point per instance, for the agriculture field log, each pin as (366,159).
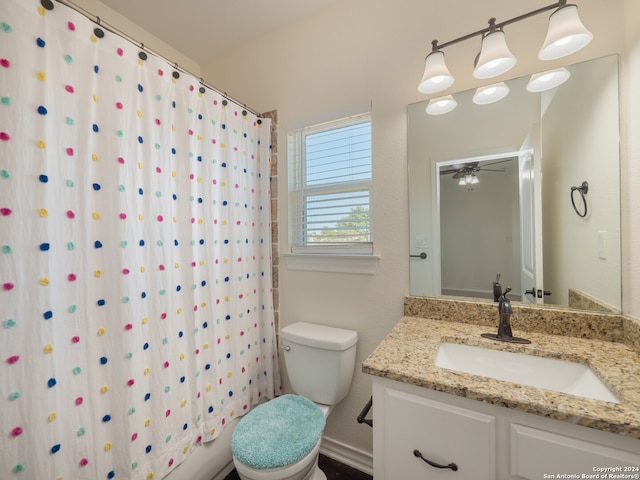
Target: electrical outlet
(602,244)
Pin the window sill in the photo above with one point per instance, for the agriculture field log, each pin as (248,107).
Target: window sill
(358,264)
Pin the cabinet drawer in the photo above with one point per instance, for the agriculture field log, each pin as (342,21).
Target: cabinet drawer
(442,433)
(536,453)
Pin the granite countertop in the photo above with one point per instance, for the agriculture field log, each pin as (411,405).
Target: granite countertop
(407,354)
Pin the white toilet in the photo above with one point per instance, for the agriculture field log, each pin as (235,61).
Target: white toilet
(280,439)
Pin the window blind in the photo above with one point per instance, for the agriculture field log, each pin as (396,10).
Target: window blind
(330,187)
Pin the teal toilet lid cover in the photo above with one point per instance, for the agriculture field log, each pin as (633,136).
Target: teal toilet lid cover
(278,433)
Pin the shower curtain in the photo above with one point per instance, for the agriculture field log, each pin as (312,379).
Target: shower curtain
(136,313)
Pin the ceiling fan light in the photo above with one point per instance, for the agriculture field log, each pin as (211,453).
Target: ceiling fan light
(441,105)
(543,81)
(490,93)
(436,77)
(462,182)
(495,57)
(474,180)
(566,34)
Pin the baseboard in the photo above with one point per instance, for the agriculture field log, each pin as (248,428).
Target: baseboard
(348,455)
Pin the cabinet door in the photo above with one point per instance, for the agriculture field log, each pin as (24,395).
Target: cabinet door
(539,454)
(442,433)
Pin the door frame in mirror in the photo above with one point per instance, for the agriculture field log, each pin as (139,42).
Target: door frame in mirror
(436,226)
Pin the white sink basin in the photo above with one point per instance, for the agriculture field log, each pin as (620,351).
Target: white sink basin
(547,373)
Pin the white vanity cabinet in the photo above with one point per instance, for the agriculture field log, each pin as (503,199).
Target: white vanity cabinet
(485,441)
(450,436)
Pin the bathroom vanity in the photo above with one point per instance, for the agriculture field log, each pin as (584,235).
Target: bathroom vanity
(471,426)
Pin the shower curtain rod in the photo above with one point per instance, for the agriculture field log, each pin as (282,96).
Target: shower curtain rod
(98,21)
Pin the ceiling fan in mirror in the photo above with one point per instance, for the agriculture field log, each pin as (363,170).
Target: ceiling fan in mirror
(466,173)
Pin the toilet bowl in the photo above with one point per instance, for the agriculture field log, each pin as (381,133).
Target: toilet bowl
(304,469)
(280,439)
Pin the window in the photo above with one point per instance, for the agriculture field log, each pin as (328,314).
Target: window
(330,187)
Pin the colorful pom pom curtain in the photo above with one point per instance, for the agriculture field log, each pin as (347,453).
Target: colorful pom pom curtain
(136,313)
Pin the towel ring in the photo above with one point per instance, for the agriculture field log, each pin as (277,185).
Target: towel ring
(582,189)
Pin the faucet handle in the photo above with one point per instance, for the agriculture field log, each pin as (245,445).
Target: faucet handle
(505,303)
(497,289)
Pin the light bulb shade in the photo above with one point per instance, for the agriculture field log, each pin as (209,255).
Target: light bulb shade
(566,34)
(495,57)
(441,105)
(436,76)
(543,81)
(474,180)
(490,93)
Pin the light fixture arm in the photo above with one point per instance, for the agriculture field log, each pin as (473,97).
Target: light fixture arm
(493,26)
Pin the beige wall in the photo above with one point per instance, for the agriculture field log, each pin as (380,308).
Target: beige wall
(360,51)
(137,34)
(630,167)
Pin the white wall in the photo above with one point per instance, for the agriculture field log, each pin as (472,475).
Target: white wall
(360,51)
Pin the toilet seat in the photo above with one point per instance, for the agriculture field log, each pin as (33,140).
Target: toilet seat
(279,434)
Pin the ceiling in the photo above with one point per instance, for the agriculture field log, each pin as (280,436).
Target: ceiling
(203,29)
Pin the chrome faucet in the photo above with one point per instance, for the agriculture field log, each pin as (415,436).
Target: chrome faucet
(504,327)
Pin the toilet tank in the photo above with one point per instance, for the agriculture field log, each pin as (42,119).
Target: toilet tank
(320,360)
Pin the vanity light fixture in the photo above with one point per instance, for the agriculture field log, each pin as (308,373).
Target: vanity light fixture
(543,81)
(495,58)
(566,35)
(436,76)
(490,93)
(441,105)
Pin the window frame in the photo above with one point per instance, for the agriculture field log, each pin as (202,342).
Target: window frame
(299,190)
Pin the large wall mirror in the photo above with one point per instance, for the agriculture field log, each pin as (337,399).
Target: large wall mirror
(527,188)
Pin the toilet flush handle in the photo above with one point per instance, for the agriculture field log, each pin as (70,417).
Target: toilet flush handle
(287,348)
